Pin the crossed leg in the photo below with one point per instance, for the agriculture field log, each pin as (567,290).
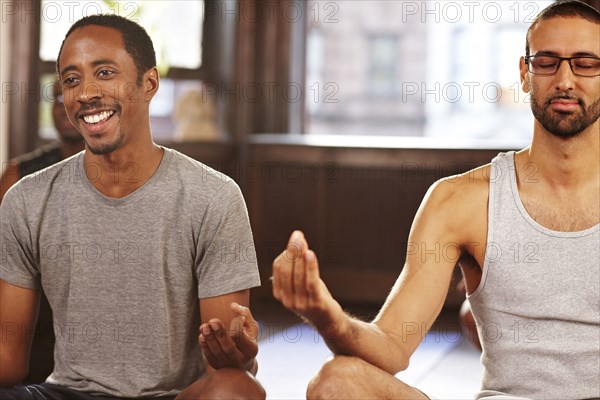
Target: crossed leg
(225,383)
(344,377)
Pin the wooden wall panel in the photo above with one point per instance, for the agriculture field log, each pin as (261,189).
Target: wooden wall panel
(357,217)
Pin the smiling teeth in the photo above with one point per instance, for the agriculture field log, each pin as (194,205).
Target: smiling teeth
(94,119)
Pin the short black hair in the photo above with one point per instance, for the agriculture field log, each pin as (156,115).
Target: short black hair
(565,9)
(137,41)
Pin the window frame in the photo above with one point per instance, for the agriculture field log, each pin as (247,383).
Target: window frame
(27,68)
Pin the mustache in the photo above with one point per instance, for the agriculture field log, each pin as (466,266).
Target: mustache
(97,106)
(564,96)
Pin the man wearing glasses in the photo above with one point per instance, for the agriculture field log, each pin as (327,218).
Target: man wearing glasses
(525,230)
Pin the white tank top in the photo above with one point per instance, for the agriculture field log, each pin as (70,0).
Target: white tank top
(537,307)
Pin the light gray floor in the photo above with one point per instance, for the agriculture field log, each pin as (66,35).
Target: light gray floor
(444,366)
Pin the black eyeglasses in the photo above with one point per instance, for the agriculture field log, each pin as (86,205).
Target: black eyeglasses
(548,65)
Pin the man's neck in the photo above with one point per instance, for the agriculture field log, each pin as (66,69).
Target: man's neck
(565,163)
(69,148)
(124,170)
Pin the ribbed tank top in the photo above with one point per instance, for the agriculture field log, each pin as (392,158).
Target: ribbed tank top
(537,307)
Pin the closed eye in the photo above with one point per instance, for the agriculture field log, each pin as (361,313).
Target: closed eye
(587,62)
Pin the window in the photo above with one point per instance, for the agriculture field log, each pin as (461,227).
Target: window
(315,65)
(360,60)
(446,70)
(176,29)
(382,71)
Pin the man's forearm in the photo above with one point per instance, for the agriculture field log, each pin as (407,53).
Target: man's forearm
(352,337)
(11,372)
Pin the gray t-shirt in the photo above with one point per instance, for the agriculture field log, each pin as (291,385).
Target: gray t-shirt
(123,276)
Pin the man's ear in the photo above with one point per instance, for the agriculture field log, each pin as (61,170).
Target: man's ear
(151,82)
(524,74)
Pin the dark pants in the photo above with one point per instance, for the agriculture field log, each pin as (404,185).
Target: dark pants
(47,391)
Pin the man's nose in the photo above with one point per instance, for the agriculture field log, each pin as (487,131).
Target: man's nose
(564,77)
(88,91)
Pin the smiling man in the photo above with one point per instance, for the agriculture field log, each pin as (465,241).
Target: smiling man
(146,256)
(525,230)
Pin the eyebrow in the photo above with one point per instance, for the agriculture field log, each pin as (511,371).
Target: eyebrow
(94,64)
(578,54)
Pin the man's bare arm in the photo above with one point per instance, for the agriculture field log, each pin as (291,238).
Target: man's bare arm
(414,302)
(18,313)
(228,334)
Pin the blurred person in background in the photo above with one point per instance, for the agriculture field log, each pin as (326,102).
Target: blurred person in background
(70,142)
(41,359)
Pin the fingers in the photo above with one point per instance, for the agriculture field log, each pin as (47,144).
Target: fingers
(283,267)
(241,310)
(244,335)
(299,280)
(249,325)
(294,269)
(296,281)
(312,274)
(206,335)
(218,346)
(211,358)
(233,347)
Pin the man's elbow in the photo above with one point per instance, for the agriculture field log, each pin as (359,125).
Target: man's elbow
(395,361)
(402,366)
(399,355)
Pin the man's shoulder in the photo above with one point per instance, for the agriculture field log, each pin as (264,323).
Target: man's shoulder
(33,189)
(459,203)
(202,182)
(190,168)
(43,178)
(454,211)
(463,188)
(40,158)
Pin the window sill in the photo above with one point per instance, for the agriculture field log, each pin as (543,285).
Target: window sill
(386,142)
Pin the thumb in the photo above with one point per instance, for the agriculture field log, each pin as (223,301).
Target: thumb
(244,336)
(249,324)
